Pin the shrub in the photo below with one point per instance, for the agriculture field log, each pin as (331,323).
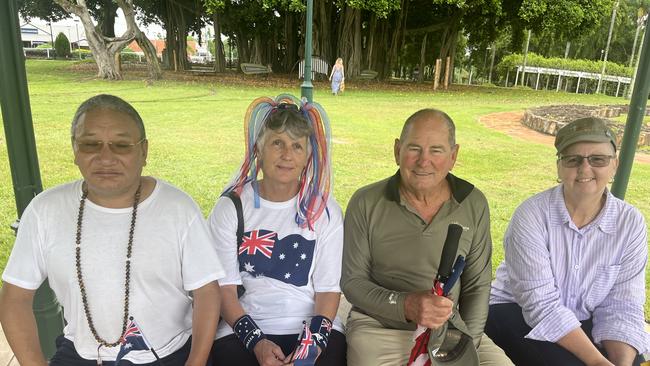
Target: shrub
(511,61)
(129,57)
(62,46)
(81,54)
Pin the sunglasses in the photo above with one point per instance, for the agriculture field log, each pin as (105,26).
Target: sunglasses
(287,107)
(118,148)
(596,161)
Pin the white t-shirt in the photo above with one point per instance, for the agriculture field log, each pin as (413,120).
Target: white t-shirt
(172,254)
(280,264)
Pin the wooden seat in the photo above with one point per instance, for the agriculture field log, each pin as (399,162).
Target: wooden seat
(367,75)
(255,69)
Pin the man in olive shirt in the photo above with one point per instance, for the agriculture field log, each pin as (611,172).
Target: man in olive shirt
(394,234)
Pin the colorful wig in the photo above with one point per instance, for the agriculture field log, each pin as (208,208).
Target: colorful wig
(315,180)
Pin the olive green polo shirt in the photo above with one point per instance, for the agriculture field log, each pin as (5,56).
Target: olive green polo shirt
(390,251)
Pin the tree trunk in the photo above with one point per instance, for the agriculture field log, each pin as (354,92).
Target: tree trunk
(350,41)
(153,64)
(323,27)
(380,48)
(371,38)
(448,42)
(243,49)
(452,54)
(181,39)
(395,43)
(219,55)
(176,40)
(356,55)
(290,32)
(104,49)
(106,19)
(422,57)
(256,52)
(169,22)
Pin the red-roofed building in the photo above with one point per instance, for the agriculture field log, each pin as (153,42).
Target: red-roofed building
(159,44)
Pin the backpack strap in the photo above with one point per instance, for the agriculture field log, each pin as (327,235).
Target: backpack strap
(234,197)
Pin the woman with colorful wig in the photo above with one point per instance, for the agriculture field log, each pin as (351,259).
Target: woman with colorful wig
(280,237)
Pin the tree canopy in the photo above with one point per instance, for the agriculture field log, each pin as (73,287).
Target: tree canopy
(389,36)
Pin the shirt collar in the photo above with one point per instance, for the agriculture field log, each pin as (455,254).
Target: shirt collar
(606,219)
(460,188)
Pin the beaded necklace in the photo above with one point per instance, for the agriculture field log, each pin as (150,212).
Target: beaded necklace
(82,287)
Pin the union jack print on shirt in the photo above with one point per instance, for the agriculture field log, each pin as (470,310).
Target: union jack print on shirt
(263,254)
(255,241)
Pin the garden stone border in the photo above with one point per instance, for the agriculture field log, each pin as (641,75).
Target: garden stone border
(549,119)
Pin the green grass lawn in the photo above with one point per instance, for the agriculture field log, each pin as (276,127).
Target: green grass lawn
(623,118)
(195,131)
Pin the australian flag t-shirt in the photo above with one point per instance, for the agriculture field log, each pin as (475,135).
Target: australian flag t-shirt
(280,264)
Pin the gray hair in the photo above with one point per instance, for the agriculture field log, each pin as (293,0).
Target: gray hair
(109,102)
(289,120)
(430,113)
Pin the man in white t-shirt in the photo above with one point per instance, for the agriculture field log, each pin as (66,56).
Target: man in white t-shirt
(127,256)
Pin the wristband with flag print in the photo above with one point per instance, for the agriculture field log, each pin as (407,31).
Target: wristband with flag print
(320,328)
(248,332)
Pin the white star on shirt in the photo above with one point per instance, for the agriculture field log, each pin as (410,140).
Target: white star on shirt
(287,275)
(281,256)
(303,256)
(297,264)
(128,345)
(249,267)
(295,245)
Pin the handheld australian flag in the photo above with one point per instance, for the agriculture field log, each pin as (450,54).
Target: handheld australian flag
(419,353)
(307,350)
(131,340)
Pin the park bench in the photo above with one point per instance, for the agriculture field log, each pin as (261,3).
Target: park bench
(367,75)
(202,70)
(255,69)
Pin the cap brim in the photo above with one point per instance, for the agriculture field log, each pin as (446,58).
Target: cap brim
(583,138)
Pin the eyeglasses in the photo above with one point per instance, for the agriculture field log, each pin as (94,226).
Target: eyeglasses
(118,148)
(596,161)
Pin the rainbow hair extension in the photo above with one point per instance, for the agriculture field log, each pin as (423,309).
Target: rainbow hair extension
(315,181)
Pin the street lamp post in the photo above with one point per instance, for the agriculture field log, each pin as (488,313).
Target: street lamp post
(69,40)
(640,23)
(76,26)
(523,68)
(609,39)
(51,34)
(307,88)
(634,121)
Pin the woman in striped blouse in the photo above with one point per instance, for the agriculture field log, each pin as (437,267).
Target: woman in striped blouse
(571,288)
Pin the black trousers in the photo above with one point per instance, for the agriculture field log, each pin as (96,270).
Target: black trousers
(229,351)
(66,355)
(506,327)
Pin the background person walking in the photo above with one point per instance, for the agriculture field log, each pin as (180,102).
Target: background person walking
(337,76)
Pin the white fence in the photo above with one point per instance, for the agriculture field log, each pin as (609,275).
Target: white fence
(318,65)
(531,70)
